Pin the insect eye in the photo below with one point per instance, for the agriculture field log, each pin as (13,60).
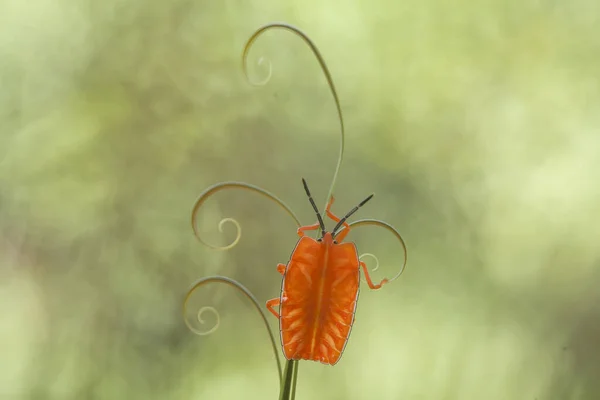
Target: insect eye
(335,242)
(319,239)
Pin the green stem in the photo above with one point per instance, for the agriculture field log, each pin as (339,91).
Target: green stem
(290,377)
(295,379)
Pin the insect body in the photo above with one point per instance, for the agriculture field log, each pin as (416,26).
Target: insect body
(320,291)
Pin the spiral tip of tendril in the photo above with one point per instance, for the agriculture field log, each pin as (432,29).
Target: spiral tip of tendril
(202,322)
(238,227)
(374,257)
(238,234)
(266,80)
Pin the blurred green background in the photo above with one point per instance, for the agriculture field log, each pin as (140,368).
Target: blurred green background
(476,125)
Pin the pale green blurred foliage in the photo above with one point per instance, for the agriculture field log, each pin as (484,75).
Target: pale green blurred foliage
(476,124)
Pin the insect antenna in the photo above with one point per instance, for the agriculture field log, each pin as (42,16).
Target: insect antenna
(355,209)
(312,202)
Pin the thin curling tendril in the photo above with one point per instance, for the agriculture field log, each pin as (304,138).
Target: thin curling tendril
(324,68)
(247,293)
(233,185)
(201,321)
(260,61)
(390,229)
(374,257)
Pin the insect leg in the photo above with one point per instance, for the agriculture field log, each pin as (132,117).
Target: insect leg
(273,303)
(368,278)
(328,210)
(281,268)
(303,229)
(340,237)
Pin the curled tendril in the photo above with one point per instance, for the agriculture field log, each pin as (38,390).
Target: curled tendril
(246,292)
(389,228)
(324,68)
(233,185)
(374,257)
(201,321)
(260,61)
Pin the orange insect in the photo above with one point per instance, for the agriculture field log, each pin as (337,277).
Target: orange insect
(319,291)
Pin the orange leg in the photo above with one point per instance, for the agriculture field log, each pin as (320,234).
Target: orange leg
(276,301)
(339,238)
(281,268)
(273,303)
(342,235)
(303,229)
(368,278)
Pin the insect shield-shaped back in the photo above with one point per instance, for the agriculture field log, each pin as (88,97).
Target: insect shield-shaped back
(319,292)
